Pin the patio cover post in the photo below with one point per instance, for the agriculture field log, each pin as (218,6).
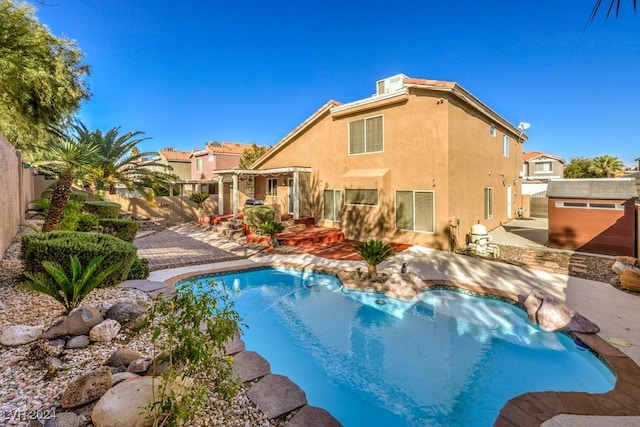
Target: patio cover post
(220,196)
(234,177)
(296,194)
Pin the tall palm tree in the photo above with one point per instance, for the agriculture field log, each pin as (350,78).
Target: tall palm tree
(67,154)
(613,5)
(606,166)
(123,163)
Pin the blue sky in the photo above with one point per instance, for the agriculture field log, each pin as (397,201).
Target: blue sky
(187,72)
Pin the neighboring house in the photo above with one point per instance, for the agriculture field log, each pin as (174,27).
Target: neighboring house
(216,155)
(593,215)
(179,161)
(537,166)
(420,162)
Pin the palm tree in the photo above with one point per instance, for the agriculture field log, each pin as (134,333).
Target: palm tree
(605,166)
(615,4)
(374,252)
(66,155)
(123,163)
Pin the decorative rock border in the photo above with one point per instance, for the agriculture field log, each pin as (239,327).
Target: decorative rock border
(529,409)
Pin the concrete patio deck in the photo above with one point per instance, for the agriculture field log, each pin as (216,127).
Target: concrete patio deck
(617,313)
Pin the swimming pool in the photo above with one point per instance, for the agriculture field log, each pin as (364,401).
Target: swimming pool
(448,359)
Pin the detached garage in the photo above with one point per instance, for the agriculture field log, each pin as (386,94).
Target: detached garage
(593,215)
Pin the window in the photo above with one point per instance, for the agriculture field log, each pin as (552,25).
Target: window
(488,203)
(272,186)
(542,167)
(590,205)
(415,211)
(361,196)
(505,146)
(492,130)
(199,165)
(365,136)
(332,205)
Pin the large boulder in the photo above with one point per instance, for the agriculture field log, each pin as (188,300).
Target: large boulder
(16,335)
(554,315)
(87,388)
(78,322)
(124,404)
(124,311)
(105,331)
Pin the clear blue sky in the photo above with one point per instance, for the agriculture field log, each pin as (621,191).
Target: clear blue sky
(187,72)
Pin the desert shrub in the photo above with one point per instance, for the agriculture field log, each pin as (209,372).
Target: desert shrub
(71,215)
(255,216)
(103,209)
(87,222)
(374,252)
(139,269)
(121,228)
(69,291)
(59,246)
(271,228)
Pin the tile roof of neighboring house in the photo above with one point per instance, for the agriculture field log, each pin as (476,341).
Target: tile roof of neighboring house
(175,156)
(235,148)
(530,155)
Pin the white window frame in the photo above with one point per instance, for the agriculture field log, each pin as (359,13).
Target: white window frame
(346,197)
(337,203)
(488,203)
(413,214)
(546,162)
(590,205)
(198,164)
(272,187)
(505,145)
(492,131)
(364,136)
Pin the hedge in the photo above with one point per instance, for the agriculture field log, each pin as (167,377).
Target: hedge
(139,270)
(255,216)
(121,228)
(58,246)
(103,209)
(87,222)
(79,196)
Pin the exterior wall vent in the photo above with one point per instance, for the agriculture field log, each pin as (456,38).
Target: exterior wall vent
(390,84)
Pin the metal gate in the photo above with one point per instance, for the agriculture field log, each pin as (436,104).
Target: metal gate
(539,205)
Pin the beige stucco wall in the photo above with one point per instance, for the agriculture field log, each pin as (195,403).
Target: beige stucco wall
(176,209)
(431,143)
(13,181)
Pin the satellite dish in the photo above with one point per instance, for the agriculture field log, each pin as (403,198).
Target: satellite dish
(524,126)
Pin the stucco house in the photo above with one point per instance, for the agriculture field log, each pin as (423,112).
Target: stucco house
(180,162)
(541,167)
(418,162)
(216,155)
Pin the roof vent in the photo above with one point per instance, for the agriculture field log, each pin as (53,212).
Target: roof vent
(390,84)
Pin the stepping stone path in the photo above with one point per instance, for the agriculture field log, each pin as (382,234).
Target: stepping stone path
(578,264)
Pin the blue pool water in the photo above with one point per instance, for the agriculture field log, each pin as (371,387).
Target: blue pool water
(449,359)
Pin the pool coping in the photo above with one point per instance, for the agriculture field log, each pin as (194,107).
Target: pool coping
(528,409)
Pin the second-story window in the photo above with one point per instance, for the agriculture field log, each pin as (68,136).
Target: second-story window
(365,136)
(199,165)
(505,146)
(272,186)
(543,167)
(492,130)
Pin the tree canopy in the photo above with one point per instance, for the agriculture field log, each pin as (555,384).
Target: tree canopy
(604,166)
(42,80)
(614,7)
(250,155)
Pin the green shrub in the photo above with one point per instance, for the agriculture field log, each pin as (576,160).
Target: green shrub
(79,196)
(374,252)
(124,229)
(59,246)
(41,205)
(255,216)
(71,216)
(87,222)
(69,291)
(139,269)
(103,209)
(271,228)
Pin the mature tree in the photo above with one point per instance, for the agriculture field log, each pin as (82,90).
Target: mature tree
(614,7)
(578,167)
(606,166)
(66,155)
(120,164)
(250,155)
(41,77)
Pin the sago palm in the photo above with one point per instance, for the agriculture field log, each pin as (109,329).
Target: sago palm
(69,291)
(272,228)
(374,252)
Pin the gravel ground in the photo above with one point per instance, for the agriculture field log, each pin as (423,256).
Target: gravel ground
(28,387)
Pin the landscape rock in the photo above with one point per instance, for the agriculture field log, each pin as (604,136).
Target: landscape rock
(16,335)
(123,376)
(249,365)
(42,350)
(80,341)
(140,366)
(122,405)
(310,416)
(105,331)
(124,311)
(78,322)
(554,315)
(276,395)
(87,388)
(122,357)
(64,419)
(57,345)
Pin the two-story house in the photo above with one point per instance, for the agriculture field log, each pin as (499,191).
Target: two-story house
(537,166)
(179,161)
(418,162)
(216,155)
